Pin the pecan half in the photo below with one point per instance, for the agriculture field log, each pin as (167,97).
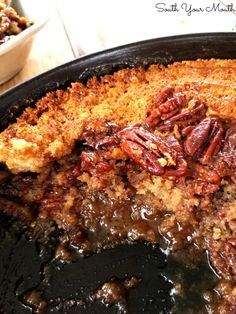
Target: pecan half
(99,133)
(205,139)
(185,119)
(93,163)
(166,105)
(153,154)
(205,173)
(181,167)
(229,149)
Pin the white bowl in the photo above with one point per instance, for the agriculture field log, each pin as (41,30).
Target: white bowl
(13,53)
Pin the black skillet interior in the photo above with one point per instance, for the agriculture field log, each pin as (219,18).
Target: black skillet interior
(25,265)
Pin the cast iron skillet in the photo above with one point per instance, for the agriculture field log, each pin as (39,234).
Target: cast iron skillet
(25,264)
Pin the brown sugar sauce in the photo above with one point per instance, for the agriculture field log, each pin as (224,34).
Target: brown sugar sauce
(91,221)
(124,279)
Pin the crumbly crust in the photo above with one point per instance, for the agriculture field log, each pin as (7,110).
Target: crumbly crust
(50,130)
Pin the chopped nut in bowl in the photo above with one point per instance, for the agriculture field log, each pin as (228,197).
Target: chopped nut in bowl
(11,24)
(19,22)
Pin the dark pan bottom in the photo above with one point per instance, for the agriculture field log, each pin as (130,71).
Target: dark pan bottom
(27,266)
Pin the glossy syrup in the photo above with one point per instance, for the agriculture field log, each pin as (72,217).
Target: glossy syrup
(32,280)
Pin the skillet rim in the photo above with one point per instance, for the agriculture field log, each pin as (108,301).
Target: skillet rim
(140,46)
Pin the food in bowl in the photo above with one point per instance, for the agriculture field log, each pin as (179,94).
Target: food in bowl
(142,154)
(11,24)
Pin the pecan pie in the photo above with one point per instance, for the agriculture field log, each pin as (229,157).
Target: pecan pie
(142,154)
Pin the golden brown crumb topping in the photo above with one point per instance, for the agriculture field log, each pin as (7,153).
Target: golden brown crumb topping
(124,98)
